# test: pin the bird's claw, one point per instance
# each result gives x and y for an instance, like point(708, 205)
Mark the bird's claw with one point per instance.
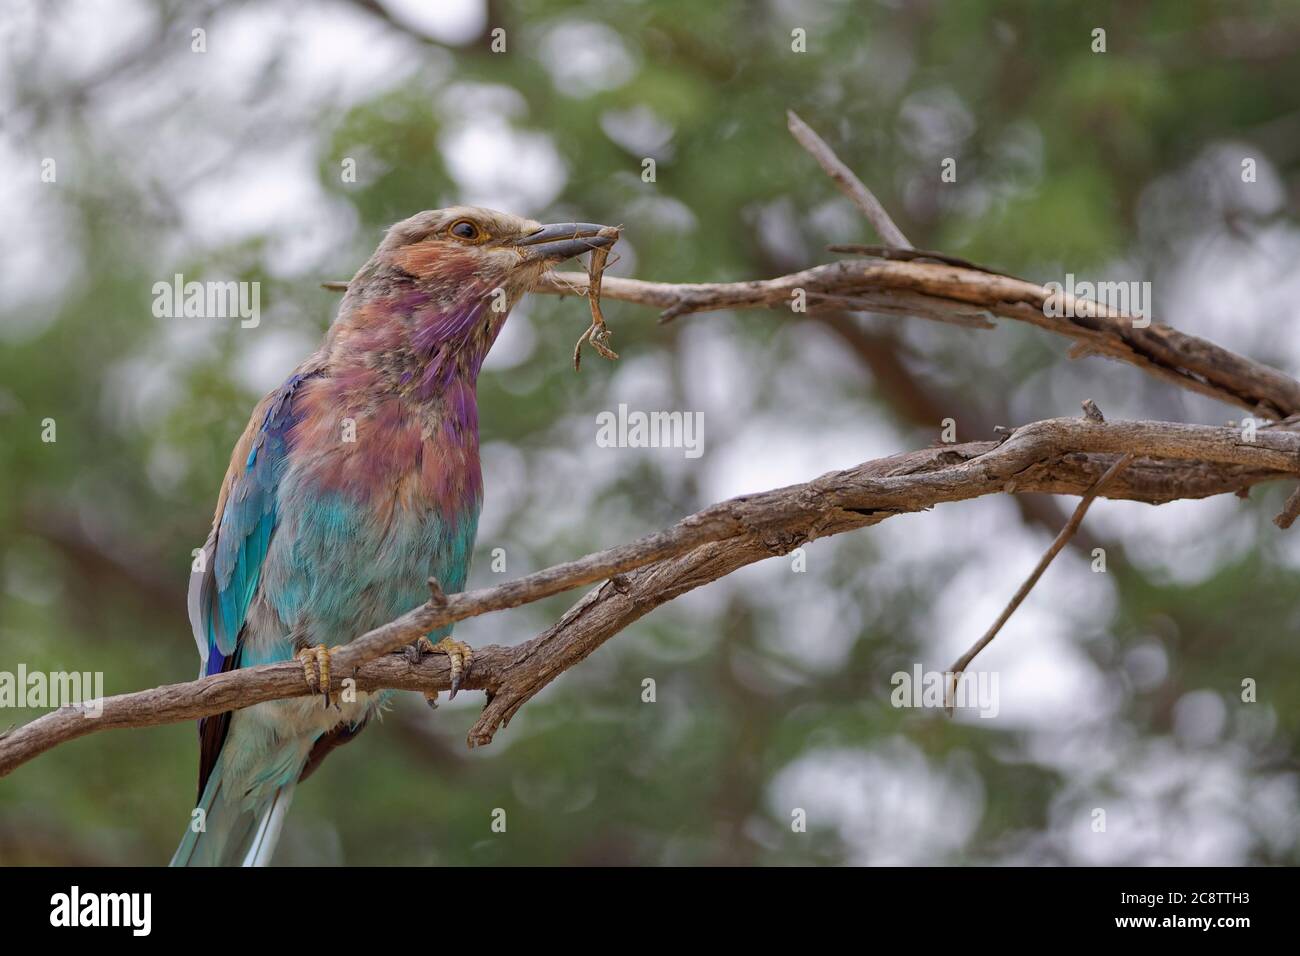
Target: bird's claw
point(461, 655)
point(316, 669)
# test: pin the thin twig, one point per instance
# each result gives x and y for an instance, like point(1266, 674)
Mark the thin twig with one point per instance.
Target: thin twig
point(1071, 526)
point(849, 183)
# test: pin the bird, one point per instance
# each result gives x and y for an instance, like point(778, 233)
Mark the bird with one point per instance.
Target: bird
point(355, 482)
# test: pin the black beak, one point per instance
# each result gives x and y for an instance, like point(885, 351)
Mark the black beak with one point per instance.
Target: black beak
point(563, 240)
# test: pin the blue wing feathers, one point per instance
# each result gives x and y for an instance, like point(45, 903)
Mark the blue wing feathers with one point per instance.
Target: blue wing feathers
point(243, 534)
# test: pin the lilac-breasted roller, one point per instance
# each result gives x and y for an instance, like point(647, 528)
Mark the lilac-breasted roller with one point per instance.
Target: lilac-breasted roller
point(355, 482)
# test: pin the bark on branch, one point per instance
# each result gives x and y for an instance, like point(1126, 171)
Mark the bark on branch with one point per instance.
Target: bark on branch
point(1058, 456)
point(963, 296)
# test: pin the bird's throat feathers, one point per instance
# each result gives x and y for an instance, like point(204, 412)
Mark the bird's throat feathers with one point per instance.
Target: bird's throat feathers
point(421, 336)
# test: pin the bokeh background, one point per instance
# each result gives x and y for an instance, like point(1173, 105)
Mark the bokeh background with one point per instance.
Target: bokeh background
point(1119, 691)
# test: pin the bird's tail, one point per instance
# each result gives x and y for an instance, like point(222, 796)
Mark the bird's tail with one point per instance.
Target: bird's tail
point(233, 829)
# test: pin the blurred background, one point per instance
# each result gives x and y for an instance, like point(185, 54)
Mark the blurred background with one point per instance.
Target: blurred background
point(1118, 691)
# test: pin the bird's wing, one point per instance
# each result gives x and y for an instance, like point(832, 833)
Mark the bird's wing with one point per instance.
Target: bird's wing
point(221, 592)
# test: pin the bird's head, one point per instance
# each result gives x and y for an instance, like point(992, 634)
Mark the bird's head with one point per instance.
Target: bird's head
point(449, 277)
point(462, 251)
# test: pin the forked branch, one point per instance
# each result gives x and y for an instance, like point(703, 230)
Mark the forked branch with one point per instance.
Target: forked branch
point(1056, 456)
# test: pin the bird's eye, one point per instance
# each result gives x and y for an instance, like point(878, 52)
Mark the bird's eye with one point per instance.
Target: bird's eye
point(464, 229)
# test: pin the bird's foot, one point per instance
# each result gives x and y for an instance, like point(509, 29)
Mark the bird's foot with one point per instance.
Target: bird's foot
point(462, 655)
point(316, 669)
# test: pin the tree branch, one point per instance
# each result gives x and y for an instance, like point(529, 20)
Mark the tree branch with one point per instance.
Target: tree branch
point(957, 294)
point(847, 181)
point(923, 406)
point(961, 292)
point(1058, 456)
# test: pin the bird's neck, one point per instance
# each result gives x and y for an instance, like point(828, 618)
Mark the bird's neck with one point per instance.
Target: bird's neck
point(422, 345)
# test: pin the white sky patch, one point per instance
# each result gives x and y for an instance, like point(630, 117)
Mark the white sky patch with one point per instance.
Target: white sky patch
point(825, 369)
point(498, 166)
point(468, 101)
point(1171, 807)
point(239, 45)
point(715, 379)
point(1182, 542)
point(260, 186)
point(82, 37)
point(344, 55)
point(1209, 186)
point(1018, 158)
point(1200, 718)
point(143, 388)
point(798, 375)
point(167, 466)
point(639, 130)
point(1239, 292)
point(182, 339)
point(836, 220)
point(1147, 665)
point(572, 462)
point(273, 193)
point(585, 58)
point(333, 54)
point(270, 355)
point(39, 254)
point(449, 21)
point(516, 343)
point(659, 213)
point(890, 805)
point(1286, 549)
point(643, 381)
point(777, 224)
point(816, 625)
point(934, 122)
point(507, 468)
point(776, 451)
